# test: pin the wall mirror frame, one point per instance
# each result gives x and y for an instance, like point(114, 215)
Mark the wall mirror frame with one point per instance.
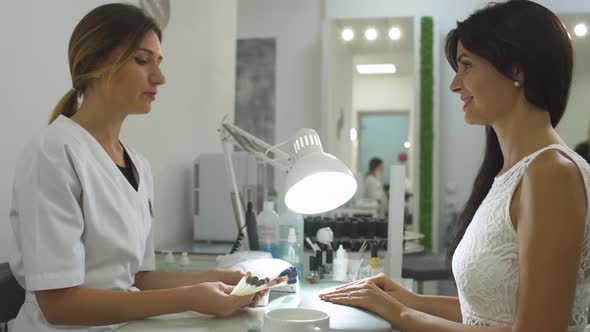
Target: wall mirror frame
point(412, 89)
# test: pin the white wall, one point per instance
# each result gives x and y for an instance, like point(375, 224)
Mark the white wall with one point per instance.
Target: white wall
point(573, 127)
point(297, 27)
point(200, 69)
point(460, 146)
point(383, 92)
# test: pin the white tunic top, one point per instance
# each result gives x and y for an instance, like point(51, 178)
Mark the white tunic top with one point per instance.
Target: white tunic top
point(77, 221)
point(373, 190)
point(486, 266)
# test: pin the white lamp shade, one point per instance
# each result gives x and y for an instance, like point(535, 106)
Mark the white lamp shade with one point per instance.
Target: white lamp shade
point(318, 182)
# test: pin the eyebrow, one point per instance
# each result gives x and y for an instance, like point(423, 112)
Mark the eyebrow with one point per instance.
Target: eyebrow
point(150, 52)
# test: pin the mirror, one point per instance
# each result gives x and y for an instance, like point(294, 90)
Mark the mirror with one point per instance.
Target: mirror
point(370, 95)
point(575, 125)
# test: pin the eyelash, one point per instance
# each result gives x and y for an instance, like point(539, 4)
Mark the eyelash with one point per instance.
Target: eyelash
point(465, 64)
point(140, 61)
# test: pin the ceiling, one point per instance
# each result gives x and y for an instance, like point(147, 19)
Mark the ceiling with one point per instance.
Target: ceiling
point(359, 45)
point(401, 52)
point(382, 50)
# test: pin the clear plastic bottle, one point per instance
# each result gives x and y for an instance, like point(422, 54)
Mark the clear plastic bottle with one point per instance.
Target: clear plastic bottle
point(268, 230)
point(288, 220)
point(169, 261)
point(340, 266)
point(292, 255)
point(185, 262)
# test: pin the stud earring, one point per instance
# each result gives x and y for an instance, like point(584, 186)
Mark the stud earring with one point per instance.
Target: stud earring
point(516, 84)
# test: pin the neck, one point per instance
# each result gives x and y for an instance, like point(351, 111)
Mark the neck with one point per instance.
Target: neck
point(523, 131)
point(101, 120)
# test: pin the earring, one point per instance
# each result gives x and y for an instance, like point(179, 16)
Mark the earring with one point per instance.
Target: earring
point(516, 84)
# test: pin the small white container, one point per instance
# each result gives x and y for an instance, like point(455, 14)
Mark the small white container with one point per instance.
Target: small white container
point(341, 265)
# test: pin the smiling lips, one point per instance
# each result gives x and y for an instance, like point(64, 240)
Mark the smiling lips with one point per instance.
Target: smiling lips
point(151, 95)
point(466, 100)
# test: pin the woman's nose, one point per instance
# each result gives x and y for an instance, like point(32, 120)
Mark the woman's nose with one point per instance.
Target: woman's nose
point(456, 84)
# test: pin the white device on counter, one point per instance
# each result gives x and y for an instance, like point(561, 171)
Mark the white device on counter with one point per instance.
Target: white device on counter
point(243, 260)
point(213, 217)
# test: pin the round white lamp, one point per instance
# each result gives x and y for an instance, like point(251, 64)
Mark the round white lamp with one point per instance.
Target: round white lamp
point(316, 181)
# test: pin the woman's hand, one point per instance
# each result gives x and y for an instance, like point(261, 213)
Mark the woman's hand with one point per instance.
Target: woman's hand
point(390, 287)
point(367, 295)
point(228, 277)
point(213, 298)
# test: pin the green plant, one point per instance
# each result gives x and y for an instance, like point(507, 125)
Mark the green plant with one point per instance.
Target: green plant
point(426, 128)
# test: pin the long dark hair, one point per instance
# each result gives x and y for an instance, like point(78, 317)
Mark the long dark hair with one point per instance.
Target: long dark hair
point(93, 41)
point(515, 33)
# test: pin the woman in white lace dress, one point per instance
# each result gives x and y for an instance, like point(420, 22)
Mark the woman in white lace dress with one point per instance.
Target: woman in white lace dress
point(521, 257)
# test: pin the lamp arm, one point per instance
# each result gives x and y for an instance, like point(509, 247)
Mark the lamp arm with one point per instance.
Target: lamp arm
point(235, 192)
point(230, 135)
point(244, 140)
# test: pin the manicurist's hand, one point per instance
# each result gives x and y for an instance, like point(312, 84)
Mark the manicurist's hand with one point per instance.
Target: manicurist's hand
point(213, 298)
point(228, 277)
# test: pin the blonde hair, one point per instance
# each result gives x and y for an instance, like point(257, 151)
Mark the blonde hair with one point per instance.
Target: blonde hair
point(91, 47)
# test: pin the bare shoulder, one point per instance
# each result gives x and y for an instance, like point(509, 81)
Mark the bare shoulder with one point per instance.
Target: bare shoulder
point(553, 167)
point(554, 182)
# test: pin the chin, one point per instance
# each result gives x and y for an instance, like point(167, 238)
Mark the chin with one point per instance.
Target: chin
point(468, 120)
point(141, 111)
point(473, 122)
point(144, 109)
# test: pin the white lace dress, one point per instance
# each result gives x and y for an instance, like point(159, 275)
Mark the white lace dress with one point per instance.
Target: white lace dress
point(485, 264)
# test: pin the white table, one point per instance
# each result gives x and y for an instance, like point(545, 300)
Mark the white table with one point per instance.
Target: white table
point(246, 320)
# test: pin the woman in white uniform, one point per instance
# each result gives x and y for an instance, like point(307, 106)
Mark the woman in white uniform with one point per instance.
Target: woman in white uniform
point(82, 205)
point(373, 188)
point(521, 256)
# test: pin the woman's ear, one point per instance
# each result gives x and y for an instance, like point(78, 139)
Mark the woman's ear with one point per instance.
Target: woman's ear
point(517, 73)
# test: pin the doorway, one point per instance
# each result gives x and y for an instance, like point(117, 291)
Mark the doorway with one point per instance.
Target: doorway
point(383, 134)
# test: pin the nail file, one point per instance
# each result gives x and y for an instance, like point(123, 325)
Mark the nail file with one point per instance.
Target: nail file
point(252, 285)
point(241, 284)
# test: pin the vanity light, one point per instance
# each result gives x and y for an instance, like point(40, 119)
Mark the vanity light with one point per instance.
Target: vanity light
point(371, 34)
point(353, 134)
point(580, 29)
point(384, 68)
point(395, 33)
point(347, 34)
